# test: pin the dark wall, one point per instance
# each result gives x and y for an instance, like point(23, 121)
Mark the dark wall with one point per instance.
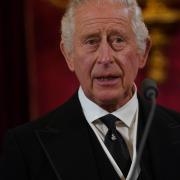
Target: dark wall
point(13, 67)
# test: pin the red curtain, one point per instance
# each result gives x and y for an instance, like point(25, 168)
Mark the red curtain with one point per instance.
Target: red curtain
point(53, 81)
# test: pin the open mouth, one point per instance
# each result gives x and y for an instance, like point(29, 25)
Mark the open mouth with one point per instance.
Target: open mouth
point(109, 78)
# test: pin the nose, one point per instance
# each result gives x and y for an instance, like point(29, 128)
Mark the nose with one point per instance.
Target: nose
point(104, 53)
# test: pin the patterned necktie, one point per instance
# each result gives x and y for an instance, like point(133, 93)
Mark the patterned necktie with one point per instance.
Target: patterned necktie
point(116, 144)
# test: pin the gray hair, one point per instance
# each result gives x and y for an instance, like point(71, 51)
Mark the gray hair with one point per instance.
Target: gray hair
point(138, 25)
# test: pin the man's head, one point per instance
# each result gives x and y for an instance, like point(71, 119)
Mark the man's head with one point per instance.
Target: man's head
point(138, 26)
point(105, 42)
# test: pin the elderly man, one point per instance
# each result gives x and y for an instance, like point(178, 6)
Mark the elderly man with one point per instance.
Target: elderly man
point(96, 134)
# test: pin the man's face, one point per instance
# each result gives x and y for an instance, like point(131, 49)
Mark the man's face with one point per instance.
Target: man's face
point(105, 55)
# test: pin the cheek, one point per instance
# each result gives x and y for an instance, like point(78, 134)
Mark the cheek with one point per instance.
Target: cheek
point(130, 65)
point(83, 66)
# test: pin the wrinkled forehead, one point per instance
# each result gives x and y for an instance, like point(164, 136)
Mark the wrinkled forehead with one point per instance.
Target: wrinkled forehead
point(101, 9)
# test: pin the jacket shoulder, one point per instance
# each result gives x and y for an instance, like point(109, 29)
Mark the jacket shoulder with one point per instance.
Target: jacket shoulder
point(169, 112)
point(64, 111)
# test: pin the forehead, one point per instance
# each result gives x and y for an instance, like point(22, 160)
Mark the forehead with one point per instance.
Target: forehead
point(102, 12)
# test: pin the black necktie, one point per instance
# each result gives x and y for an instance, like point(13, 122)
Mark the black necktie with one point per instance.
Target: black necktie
point(116, 144)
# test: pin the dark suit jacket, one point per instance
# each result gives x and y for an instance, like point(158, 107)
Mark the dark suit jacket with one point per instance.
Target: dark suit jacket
point(61, 146)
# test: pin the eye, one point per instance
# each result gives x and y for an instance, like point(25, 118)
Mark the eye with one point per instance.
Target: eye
point(92, 41)
point(116, 41)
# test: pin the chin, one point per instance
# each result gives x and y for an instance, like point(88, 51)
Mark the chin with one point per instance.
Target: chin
point(106, 99)
point(111, 98)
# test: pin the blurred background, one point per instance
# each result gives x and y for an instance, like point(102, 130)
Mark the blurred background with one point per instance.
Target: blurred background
point(34, 77)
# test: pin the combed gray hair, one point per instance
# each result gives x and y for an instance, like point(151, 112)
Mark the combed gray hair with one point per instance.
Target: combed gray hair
point(138, 25)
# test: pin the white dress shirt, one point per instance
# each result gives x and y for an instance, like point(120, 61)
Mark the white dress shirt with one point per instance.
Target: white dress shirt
point(127, 126)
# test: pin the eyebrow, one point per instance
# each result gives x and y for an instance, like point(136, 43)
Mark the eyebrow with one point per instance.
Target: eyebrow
point(89, 35)
point(116, 31)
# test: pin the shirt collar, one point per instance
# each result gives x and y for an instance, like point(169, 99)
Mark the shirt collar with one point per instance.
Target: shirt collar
point(93, 112)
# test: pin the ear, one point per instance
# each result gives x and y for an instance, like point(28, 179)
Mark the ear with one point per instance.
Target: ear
point(144, 56)
point(68, 56)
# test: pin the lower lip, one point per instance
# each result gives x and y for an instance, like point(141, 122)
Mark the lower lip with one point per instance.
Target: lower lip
point(107, 82)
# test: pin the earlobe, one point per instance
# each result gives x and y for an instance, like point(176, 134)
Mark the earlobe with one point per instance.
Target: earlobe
point(68, 56)
point(144, 56)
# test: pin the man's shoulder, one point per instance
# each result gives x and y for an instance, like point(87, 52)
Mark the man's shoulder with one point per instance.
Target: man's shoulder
point(27, 130)
point(168, 112)
point(160, 110)
point(163, 117)
point(169, 120)
point(43, 122)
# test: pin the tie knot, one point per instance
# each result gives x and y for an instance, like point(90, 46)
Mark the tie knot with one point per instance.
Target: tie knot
point(109, 120)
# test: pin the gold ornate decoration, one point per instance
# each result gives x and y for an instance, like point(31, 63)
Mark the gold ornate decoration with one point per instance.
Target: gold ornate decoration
point(158, 12)
point(159, 18)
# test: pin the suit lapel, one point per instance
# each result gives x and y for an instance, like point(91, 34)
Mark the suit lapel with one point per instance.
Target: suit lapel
point(66, 144)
